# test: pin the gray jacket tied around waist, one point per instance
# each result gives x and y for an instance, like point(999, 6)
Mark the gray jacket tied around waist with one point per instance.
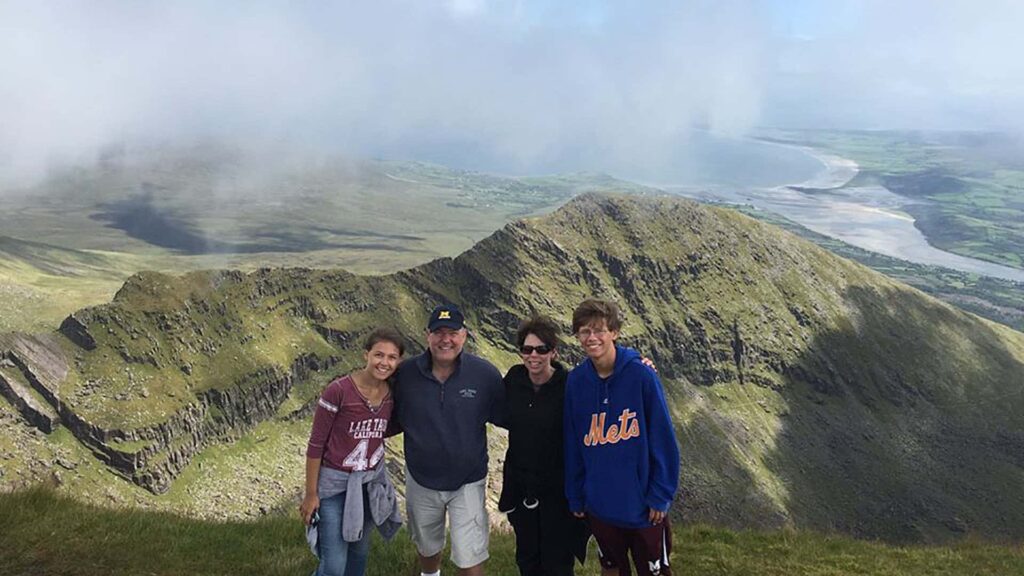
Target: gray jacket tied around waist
point(381, 496)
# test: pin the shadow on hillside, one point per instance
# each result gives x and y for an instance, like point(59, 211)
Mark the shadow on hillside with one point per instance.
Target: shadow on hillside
point(141, 217)
point(716, 485)
point(898, 422)
point(904, 426)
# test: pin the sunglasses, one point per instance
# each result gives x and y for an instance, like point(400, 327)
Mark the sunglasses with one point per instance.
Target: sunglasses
point(526, 350)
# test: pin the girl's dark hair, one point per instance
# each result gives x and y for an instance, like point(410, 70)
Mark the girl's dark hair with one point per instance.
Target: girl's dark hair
point(540, 326)
point(385, 334)
point(593, 309)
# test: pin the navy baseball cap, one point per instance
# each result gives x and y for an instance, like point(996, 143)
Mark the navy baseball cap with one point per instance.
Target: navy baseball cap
point(446, 316)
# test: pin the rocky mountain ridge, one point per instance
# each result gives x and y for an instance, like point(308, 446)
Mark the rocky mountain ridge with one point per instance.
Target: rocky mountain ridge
point(807, 390)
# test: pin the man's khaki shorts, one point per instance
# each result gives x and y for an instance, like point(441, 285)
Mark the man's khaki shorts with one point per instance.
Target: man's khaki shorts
point(425, 509)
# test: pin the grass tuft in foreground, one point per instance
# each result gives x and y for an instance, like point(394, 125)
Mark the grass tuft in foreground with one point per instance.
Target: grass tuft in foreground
point(43, 533)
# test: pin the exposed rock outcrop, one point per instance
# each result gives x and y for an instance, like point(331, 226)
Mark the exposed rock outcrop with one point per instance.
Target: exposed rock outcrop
point(16, 389)
point(806, 390)
point(150, 456)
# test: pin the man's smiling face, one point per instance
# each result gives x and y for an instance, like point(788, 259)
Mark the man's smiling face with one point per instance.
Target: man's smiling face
point(446, 344)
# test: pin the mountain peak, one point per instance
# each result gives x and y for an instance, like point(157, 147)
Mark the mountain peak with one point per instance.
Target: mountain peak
point(806, 390)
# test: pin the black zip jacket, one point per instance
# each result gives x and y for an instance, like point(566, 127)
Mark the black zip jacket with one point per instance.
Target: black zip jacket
point(534, 463)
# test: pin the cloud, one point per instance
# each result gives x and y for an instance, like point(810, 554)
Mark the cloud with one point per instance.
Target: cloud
point(911, 64)
point(367, 76)
point(531, 84)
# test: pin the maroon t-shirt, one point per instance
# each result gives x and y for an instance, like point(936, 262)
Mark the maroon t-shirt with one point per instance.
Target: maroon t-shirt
point(347, 433)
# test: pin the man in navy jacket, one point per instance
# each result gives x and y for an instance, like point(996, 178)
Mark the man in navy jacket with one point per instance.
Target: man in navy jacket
point(444, 399)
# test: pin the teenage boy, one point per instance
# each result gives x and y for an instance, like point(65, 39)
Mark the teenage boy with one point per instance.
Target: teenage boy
point(621, 456)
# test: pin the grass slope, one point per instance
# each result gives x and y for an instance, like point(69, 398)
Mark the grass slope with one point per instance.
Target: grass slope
point(48, 534)
point(72, 239)
point(808, 391)
point(40, 284)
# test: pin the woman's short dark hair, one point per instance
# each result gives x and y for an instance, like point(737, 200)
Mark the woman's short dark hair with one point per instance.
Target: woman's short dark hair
point(593, 309)
point(385, 334)
point(540, 326)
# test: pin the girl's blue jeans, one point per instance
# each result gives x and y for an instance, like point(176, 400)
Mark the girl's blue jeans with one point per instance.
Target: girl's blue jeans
point(337, 557)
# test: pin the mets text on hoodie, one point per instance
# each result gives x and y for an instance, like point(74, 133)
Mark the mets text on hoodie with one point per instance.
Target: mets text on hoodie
point(621, 456)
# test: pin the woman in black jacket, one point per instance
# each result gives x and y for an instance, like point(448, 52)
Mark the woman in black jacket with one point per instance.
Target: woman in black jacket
point(548, 537)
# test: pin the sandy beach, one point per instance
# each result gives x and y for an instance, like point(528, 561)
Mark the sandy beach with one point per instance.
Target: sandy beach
point(837, 172)
point(869, 217)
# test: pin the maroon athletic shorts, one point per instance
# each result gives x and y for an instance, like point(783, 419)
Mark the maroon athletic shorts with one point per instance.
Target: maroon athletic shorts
point(649, 546)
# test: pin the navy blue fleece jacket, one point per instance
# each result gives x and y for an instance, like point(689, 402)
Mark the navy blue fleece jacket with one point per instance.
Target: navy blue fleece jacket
point(445, 422)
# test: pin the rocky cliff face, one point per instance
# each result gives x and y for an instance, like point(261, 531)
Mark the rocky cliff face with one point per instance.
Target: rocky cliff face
point(150, 456)
point(807, 390)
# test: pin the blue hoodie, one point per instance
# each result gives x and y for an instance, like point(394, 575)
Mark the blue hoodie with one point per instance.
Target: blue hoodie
point(621, 456)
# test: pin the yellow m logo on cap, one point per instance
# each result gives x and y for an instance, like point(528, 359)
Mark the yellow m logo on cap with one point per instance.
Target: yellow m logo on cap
point(444, 315)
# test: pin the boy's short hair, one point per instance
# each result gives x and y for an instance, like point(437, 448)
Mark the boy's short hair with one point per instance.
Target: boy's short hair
point(593, 309)
point(540, 326)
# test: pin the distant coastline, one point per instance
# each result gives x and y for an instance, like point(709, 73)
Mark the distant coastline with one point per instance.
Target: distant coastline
point(839, 171)
point(869, 217)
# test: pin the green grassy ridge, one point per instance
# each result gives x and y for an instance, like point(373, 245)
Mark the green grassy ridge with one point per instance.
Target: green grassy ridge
point(850, 370)
point(58, 253)
point(218, 324)
point(54, 259)
point(971, 183)
point(855, 382)
point(808, 391)
point(40, 283)
point(49, 534)
point(228, 328)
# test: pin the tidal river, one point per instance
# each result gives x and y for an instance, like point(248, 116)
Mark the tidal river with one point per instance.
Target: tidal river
point(868, 217)
point(707, 167)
